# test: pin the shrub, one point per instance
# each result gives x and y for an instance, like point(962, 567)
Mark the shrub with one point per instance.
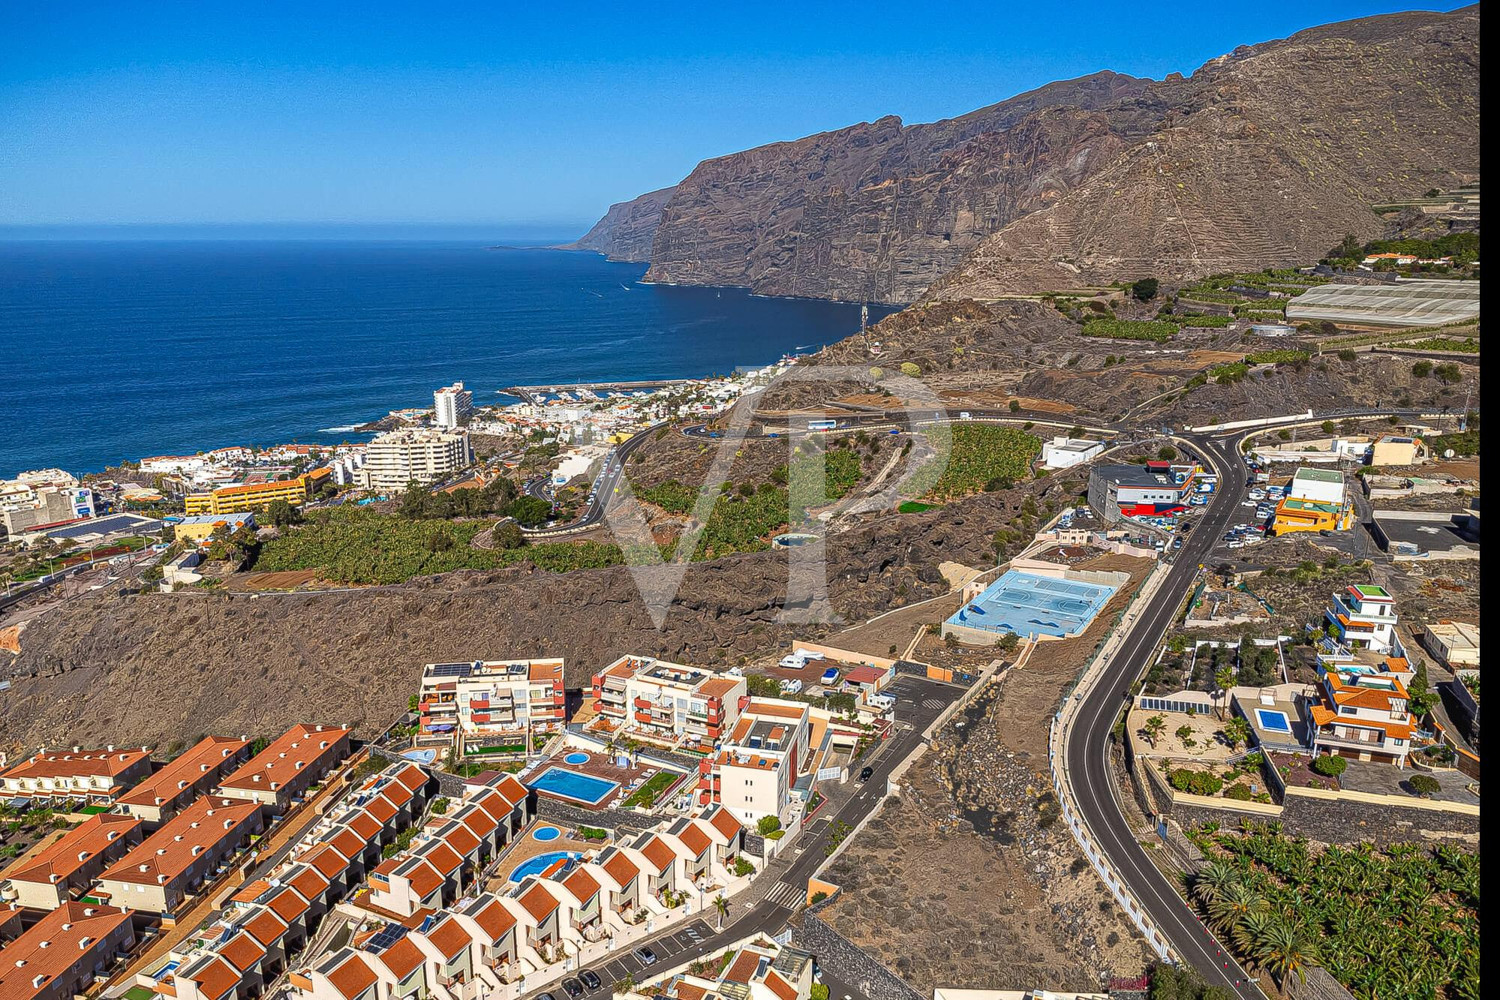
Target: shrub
point(1240, 793)
point(1330, 766)
point(1196, 782)
point(1424, 785)
point(1145, 289)
point(768, 825)
point(1159, 330)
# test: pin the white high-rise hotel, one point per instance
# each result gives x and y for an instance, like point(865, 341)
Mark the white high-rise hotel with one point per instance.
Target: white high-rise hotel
point(452, 405)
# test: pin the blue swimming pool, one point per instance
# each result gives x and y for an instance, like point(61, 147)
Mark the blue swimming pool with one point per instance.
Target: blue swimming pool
point(1273, 720)
point(578, 757)
point(540, 863)
point(421, 756)
point(573, 786)
point(545, 833)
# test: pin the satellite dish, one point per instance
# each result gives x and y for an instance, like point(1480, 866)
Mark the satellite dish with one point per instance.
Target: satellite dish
point(1448, 453)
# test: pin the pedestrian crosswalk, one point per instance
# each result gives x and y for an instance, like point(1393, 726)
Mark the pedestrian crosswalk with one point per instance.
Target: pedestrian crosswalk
point(786, 896)
point(933, 703)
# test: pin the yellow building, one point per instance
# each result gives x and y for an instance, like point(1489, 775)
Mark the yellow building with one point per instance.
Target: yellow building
point(255, 496)
point(198, 527)
point(1298, 514)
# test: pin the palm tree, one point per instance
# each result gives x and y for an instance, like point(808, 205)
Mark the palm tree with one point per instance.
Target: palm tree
point(722, 905)
point(1212, 879)
point(1223, 677)
point(1234, 904)
point(1283, 948)
point(1154, 727)
point(1237, 732)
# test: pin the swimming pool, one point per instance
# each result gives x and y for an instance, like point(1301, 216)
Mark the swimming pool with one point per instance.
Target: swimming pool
point(1027, 605)
point(541, 862)
point(421, 756)
point(1273, 720)
point(577, 757)
point(545, 833)
point(573, 786)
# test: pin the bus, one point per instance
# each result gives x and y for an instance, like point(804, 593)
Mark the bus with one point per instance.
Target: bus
point(822, 425)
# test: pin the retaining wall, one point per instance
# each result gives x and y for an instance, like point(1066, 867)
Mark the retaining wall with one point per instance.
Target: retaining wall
point(849, 963)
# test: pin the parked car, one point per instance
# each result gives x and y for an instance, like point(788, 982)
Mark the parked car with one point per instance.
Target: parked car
point(646, 955)
point(866, 772)
point(573, 988)
point(590, 979)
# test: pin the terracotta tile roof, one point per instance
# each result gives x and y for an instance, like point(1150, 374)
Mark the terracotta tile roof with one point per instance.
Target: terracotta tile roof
point(775, 711)
point(266, 927)
point(723, 820)
point(348, 843)
point(718, 687)
point(693, 837)
point(442, 857)
point(178, 777)
point(539, 903)
point(288, 904)
point(424, 879)
point(742, 969)
point(216, 979)
point(367, 826)
point(352, 976)
point(479, 822)
point(659, 854)
point(411, 777)
point(76, 848)
point(83, 763)
point(621, 869)
point(242, 951)
point(449, 937)
point(381, 809)
point(687, 991)
point(495, 919)
point(783, 989)
point(864, 675)
point(396, 794)
point(402, 958)
point(327, 860)
point(309, 882)
point(95, 923)
point(461, 840)
point(279, 763)
point(511, 789)
point(251, 891)
point(582, 885)
point(169, 851)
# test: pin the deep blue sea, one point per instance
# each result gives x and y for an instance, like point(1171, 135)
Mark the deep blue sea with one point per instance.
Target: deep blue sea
point(116, 350)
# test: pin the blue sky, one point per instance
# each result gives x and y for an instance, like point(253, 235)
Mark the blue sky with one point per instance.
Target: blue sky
point(529, 116)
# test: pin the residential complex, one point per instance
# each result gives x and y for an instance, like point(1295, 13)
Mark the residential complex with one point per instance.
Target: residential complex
point(666, 702)
point(451, 406)
point(59, 957)
point(397, 459)
point(758, 971)
point(190, 774)
point(282, 772)
point(252, 496)
point(47, 879)
point(98, 776)
point(494, 706)
point(753, 773)
point(161, 873)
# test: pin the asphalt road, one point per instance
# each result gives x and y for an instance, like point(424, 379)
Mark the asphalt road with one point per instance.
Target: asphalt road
point(1086, 753)
point(918, 702)
point(609, 477)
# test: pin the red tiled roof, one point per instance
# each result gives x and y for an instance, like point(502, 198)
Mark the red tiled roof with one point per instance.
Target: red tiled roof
point(582, 885)
point(203, 758)
point(266, 927)
point(449, 937)
point(443, 858)
point(742, 969)
point(659, 854)
point(693, 837)
point(216, 979)
point(402, 958)
point(91, 763)
point(352, 977)
point(424, 879)
point(171, 849)
point(242, 951)
point(327, 860)
point(780, 987)
point(90, 838)
point(278, 763)
point(723, 820)
point(94, 923)
point(539, 903)
point(495, 920)
point(621, 868)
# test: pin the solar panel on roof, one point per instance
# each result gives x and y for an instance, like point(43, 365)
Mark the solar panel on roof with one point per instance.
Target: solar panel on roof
point(104, 526)
point(385, 937)
point(452, 669)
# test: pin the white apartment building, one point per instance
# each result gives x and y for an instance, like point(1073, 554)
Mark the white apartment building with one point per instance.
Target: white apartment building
point(753, 775)
point(492, 706)
point(1364, 616)
point(452, 405)
point(423, 455)
point(667, 702)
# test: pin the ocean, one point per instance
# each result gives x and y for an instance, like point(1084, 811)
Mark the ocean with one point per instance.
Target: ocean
point(119, 350)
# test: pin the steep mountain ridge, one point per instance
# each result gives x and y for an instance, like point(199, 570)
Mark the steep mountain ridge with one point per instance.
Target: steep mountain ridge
point(627, 229)
point(1252, 161)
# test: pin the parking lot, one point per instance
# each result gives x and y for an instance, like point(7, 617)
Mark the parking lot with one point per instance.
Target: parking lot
point(629, 964)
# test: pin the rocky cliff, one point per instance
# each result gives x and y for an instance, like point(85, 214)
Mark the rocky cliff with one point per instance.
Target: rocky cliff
point(1255, 160)
point(627, 229)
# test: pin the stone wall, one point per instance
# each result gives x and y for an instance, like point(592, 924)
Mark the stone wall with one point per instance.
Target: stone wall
point(845, 961)
point(1348, 822)
point(608, 819)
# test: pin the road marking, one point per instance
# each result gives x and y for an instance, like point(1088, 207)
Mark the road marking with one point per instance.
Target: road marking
point(785, 896)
